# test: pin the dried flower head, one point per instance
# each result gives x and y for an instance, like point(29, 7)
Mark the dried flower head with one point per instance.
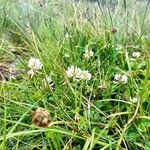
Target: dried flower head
point(88, 53)
point(77, 118)
point(40, 118)
point(8, 71)
point(13, 71)
point(136, 54)
point(120, 78)
point(114, 30)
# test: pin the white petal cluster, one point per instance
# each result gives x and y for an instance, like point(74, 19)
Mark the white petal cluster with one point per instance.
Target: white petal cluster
point(34, 64)
point(73, 72)
point(120, 78)
point(136, 54)
point(77, 74)
point(134, 100)
point(85, 75)
point(88, 53)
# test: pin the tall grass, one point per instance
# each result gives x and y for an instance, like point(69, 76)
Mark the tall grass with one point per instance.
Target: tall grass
point(58, 33)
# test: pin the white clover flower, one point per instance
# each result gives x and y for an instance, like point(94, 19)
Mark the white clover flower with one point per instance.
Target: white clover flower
point(134, 100)
point(136, 54)
point(85, 75)
point(120, 78)
point(73, 71)
point(35, 64)
point(88, 53)
point(77, 74)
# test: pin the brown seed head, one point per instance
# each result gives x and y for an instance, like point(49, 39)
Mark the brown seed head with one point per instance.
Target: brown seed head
point(40, 118)
point(114, 30)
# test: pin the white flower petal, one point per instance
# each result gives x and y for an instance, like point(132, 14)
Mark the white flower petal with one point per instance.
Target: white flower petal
point(88, 53)
point(136, 54)
point(77, 74)
point(34, 64)
point(134, 100)
point(119, 78)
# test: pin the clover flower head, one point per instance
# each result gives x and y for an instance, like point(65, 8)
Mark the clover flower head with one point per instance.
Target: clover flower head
point(85, 75)
point(120, 78)
point(78, 74)
point(40, 118)
point(88, 53)
point(35, 64)
point(73, 71)
point(136, 54)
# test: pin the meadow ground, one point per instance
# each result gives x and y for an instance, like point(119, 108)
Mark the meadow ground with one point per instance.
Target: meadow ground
point(74, 75)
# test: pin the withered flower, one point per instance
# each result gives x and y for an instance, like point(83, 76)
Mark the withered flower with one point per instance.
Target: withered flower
point(40, 118)
point(77, 118)
point(114, 30)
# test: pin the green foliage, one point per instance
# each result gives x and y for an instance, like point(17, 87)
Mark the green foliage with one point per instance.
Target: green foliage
point(100, 113)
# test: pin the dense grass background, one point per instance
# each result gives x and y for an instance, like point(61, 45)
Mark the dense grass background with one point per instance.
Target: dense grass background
point(58, 33)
